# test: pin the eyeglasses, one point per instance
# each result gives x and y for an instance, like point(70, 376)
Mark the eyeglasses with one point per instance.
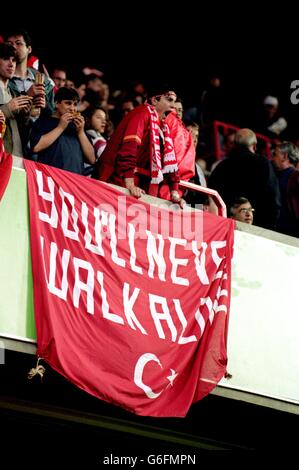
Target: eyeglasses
point(244, 210)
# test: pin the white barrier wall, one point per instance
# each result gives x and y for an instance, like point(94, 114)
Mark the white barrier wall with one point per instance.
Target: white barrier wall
point(263, 346)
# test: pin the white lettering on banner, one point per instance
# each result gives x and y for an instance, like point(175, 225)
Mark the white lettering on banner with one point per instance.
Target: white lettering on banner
point(182, 318)
point(128, 303)
point(201, 322)
point(73, 234)
point(213, 307)
point(47, 196)
point(214, 247)
point(61, 270)
point(200, 263)
point(105, 306)
point(136, 269)
point(138, 219)
point(175, 262)
point(62, 292)
point(97, 249)
point(160, 251)
point(161, 316)
point(208, 302)
point(113, 242)
point(155, 255)
point(87, 286)
point(138, 375)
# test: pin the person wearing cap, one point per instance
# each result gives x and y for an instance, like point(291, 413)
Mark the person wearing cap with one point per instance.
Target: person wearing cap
point(270, 123)
point(140, 154)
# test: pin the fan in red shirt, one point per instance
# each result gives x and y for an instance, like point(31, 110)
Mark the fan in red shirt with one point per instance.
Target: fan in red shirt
point(140, 154)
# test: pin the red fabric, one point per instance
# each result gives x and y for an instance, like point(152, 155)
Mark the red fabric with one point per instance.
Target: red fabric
point(128, 152)
point(5, 167)
point(183, 146)
point(33, 62)
point(150, 339)
point(184, 151)
point(127, 148)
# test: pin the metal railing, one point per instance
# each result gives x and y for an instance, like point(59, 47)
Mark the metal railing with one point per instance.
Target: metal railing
point(210, 192)
point(226, 128)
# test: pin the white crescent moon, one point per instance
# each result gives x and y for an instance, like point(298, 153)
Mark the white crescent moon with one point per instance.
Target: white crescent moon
point(141, 363)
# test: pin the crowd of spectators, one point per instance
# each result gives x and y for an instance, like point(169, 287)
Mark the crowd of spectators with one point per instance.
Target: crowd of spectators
point(66, 119)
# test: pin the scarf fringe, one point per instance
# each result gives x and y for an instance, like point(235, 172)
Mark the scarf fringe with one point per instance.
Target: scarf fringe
point(157, 180)
point(170, 169)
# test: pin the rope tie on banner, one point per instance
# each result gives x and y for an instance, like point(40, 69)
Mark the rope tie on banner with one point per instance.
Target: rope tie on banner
point(38, 370)
point(227, 375)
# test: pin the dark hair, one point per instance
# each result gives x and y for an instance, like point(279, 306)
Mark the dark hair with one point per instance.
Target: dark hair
point(237, 202)
point(19, 32)
point(7, 51)
point(159, 90)
point(89, 112)
point(92, 97)
point(65, 93)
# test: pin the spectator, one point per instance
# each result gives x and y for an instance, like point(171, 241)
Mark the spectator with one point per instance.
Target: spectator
point(59, 78)
point(285, 157)
point(212, 101)
point(179, 108)
point(24, 77)
point(270, 122)
point(246, 174)
point(60, 140)
point(140, 153)
point(11, 106)
point(242, 210)
point(24, 82)
point(95, 124)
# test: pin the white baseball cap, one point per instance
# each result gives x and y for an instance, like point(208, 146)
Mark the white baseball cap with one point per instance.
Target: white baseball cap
point(271, 101)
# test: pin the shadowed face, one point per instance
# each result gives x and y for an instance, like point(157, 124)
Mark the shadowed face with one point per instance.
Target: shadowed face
point(7, 68)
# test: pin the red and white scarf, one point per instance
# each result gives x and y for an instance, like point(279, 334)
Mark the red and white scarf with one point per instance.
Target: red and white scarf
point(160, 163)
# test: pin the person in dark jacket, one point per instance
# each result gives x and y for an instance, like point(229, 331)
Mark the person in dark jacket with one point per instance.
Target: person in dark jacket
point(246, 174)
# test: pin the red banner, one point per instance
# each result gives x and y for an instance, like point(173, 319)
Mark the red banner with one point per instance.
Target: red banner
point(131, 301)
point(5, 168)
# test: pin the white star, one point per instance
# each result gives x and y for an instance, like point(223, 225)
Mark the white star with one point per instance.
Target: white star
point(171, 377)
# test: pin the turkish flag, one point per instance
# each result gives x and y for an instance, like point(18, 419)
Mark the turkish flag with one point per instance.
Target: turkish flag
point(131, 301)
point(5, 168)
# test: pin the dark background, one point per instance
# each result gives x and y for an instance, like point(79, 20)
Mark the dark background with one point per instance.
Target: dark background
point(254, 52)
